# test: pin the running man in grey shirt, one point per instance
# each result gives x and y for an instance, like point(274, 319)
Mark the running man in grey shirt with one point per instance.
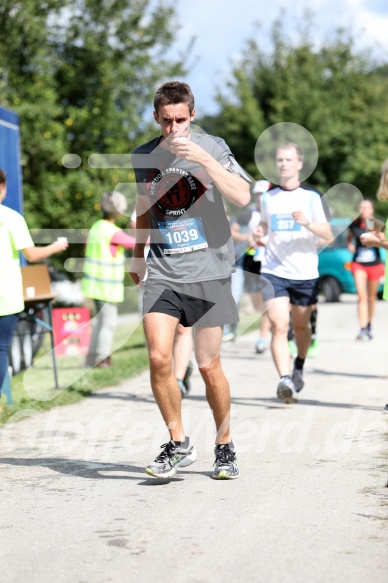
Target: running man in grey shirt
point(181, 178)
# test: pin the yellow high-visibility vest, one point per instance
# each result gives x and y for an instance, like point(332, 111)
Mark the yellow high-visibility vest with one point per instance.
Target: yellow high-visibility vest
point(103, 277)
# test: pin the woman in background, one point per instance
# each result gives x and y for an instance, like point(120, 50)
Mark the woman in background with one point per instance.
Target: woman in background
point(376, 238)
point(367, 267)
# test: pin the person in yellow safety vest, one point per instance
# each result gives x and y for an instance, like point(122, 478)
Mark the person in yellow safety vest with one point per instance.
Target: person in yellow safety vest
point(14, 237)
point(103, 277)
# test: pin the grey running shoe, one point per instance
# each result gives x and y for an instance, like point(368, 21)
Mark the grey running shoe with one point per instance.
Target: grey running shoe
point(225, 466)
point(386, 408)
point(297, 379)
point(172, 458)
point(285, 390)
point(363, 335)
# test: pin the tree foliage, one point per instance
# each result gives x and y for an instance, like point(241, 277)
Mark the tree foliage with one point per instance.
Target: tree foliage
point(337, 92)
point(80, 74)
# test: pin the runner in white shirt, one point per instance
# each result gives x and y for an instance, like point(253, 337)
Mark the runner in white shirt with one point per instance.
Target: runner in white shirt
point(292, 218)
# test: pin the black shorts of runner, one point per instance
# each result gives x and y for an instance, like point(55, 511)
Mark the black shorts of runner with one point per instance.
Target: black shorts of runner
point(207, 303)
point(301, 292)
point(252, 280)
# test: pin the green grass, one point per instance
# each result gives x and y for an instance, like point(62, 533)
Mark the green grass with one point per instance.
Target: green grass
point(35, 388)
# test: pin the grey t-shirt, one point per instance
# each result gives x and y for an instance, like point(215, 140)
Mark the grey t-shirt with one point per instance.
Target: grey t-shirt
point(190, 234)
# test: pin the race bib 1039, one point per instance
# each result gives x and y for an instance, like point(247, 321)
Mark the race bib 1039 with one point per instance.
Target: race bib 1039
point(183, 236)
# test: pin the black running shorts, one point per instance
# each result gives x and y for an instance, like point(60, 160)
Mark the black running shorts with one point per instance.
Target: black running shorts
point(207, 303)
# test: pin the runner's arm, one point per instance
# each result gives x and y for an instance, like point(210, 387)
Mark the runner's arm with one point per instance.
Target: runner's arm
point(143, 224)
point(231, 186)
point(322, 231)
point(374, 240)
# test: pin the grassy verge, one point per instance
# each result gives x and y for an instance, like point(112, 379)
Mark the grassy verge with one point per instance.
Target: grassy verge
point(34, 388)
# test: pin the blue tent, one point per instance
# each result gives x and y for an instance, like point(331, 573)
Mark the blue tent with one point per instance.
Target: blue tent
point(10, 159)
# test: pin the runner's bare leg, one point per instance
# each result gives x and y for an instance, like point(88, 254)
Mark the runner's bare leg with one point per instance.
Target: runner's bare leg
point(207, 346)
point(160, 333)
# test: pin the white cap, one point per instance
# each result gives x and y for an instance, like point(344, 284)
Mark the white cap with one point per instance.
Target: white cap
point(261, 186)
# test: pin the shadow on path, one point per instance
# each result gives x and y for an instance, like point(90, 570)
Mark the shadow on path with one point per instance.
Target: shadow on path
point(347, 374)
point(122, 396)
point(92, 470)
point(249, 401)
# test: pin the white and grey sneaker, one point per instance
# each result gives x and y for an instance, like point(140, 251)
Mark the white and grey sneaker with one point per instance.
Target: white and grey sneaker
point(225, 466)
point(363, 335)
point(297, 379)
point(285, 390)
point(174, 456)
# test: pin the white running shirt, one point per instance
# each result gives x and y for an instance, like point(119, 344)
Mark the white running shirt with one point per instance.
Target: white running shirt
point(291, 251)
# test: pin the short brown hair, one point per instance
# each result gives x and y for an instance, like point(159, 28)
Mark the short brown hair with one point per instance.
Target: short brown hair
point(299, 151)
point(172, 93)
point(3, 177)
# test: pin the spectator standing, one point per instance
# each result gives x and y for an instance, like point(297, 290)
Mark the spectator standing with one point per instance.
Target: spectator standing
point(103, 277)
point(15, 237)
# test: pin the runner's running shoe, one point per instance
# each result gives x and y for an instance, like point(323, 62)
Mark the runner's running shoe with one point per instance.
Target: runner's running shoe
point(285, 390)
point(386, 408)
point(297, 379)
point(369, 330)
point(225, 466)
point(363, 335)
point(261, 346)
point(313, 349)
point(173, 457)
